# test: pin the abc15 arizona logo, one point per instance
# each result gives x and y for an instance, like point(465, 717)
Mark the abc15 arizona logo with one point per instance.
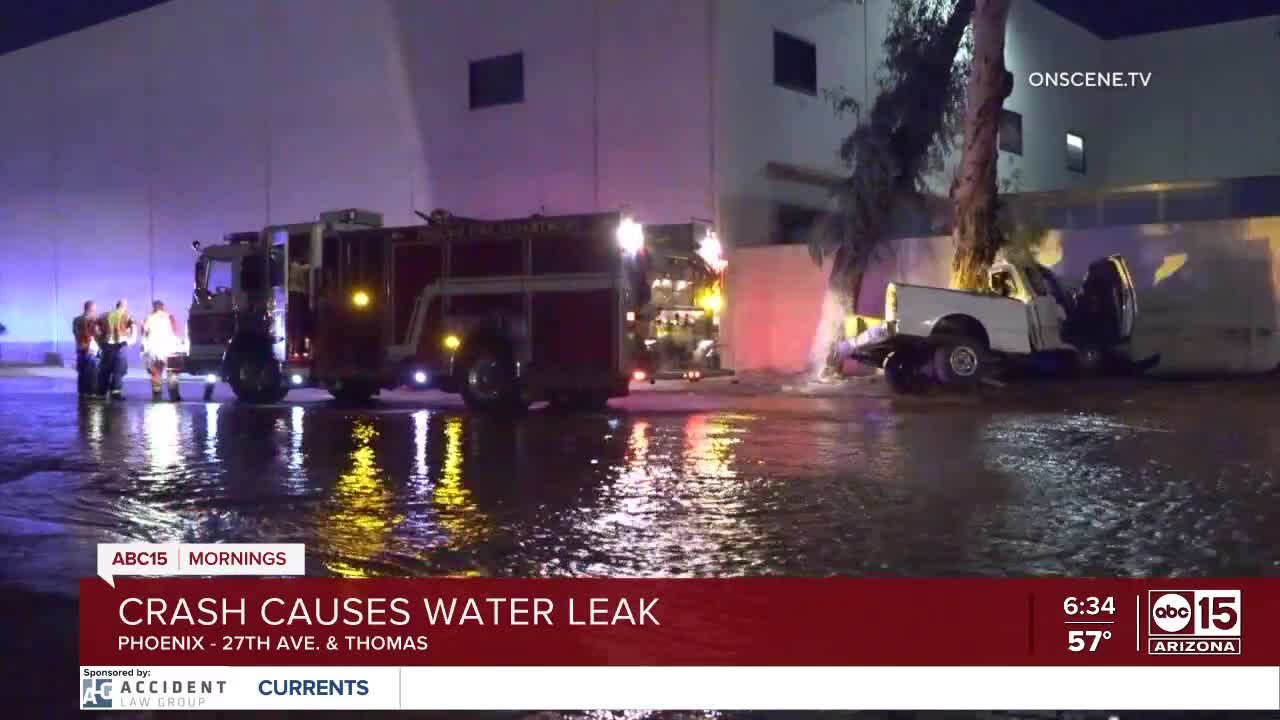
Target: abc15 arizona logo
point(1193, 622)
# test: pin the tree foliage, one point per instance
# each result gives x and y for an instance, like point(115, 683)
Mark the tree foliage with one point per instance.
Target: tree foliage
point(1021, 226)
point(903, 138)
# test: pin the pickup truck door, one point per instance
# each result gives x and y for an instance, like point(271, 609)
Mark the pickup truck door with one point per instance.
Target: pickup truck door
point(1043, 315)
point(1045, 310)
point(1107, 304)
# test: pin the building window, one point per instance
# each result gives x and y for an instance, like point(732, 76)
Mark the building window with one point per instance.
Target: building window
point(794, 224)
point(497, 81)
point(795, 63)
point(1075, 153)
point(1011, 132)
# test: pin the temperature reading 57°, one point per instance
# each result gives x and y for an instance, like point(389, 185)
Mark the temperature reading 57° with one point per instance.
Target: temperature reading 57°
point(1086, 640)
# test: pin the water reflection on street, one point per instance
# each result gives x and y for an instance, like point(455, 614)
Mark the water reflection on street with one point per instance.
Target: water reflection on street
point(815, 487)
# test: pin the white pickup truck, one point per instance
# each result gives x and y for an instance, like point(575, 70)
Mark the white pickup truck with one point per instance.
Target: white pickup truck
point(954, 337)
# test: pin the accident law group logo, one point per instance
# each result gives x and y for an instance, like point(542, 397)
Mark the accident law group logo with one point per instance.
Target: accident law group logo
point(149, 689)
point(1193, 622)
point(95, 694)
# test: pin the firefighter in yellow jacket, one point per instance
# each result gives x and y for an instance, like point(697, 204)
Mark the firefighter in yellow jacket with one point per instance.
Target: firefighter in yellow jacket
point(159, 343)
point(117, 333)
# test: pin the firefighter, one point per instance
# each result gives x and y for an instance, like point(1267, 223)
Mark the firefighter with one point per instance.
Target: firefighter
point(85, 329)
point(159, 343)
point(117, 334)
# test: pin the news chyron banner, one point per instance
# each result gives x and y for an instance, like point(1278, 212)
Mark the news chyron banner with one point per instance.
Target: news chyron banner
point(241, 627)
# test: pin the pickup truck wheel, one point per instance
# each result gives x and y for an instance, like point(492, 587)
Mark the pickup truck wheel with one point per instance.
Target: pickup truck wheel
point(1089, 362)
point(902, 373)
point(959, 362)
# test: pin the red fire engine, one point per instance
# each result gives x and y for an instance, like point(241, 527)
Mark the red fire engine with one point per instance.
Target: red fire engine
point(504, 312)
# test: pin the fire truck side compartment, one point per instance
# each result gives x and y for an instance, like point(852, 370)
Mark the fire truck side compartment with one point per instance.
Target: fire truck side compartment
point(549, 286)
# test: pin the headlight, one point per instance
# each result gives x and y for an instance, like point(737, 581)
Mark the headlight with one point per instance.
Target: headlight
point(452, 342)
point(630, 236)
point(711, 301)
point(360, 299)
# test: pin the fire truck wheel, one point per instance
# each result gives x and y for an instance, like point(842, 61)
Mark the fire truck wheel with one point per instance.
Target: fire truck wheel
point(351, 393)
point(255, 379)
point(489, 382)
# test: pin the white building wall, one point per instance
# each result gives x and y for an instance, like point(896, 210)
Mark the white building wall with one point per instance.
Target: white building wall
point(1038, 40)
point(759, 122)
point(510, 159)
point(200, 117)
point(184, 122)
point(655, 115)
point(597, 129)
point(28, 206)
point(1210, 111)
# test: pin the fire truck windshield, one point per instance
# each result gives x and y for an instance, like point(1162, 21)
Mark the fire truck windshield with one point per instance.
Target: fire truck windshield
point(217, 277)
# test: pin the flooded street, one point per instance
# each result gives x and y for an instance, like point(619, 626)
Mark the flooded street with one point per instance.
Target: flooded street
point(1161, 479)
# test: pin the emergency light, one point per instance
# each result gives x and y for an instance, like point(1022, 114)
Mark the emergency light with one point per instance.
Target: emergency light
point(630, 236)
point(712, 252)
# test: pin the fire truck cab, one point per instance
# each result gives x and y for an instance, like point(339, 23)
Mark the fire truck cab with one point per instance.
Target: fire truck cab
point(680, 324)
point(503, 312)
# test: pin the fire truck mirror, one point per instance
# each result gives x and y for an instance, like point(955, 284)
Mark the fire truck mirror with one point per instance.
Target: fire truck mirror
point(277, 270)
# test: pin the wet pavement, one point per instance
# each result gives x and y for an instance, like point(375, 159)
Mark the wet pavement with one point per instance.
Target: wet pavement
point(1149, 479)
point(1122, 479)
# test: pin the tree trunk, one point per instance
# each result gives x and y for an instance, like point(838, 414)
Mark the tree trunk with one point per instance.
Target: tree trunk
point(973, 191)
point(856, 290)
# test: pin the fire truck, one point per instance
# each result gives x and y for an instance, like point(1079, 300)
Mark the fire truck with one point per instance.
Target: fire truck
point(680, 324)
point(504, 312)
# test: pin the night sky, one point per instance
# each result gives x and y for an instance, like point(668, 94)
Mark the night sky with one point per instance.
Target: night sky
point(27, 22)
point(1120, 18)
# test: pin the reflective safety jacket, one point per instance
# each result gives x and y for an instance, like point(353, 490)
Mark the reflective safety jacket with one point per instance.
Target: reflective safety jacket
point(160, 334)
point(85, 329)
point(118, 328)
